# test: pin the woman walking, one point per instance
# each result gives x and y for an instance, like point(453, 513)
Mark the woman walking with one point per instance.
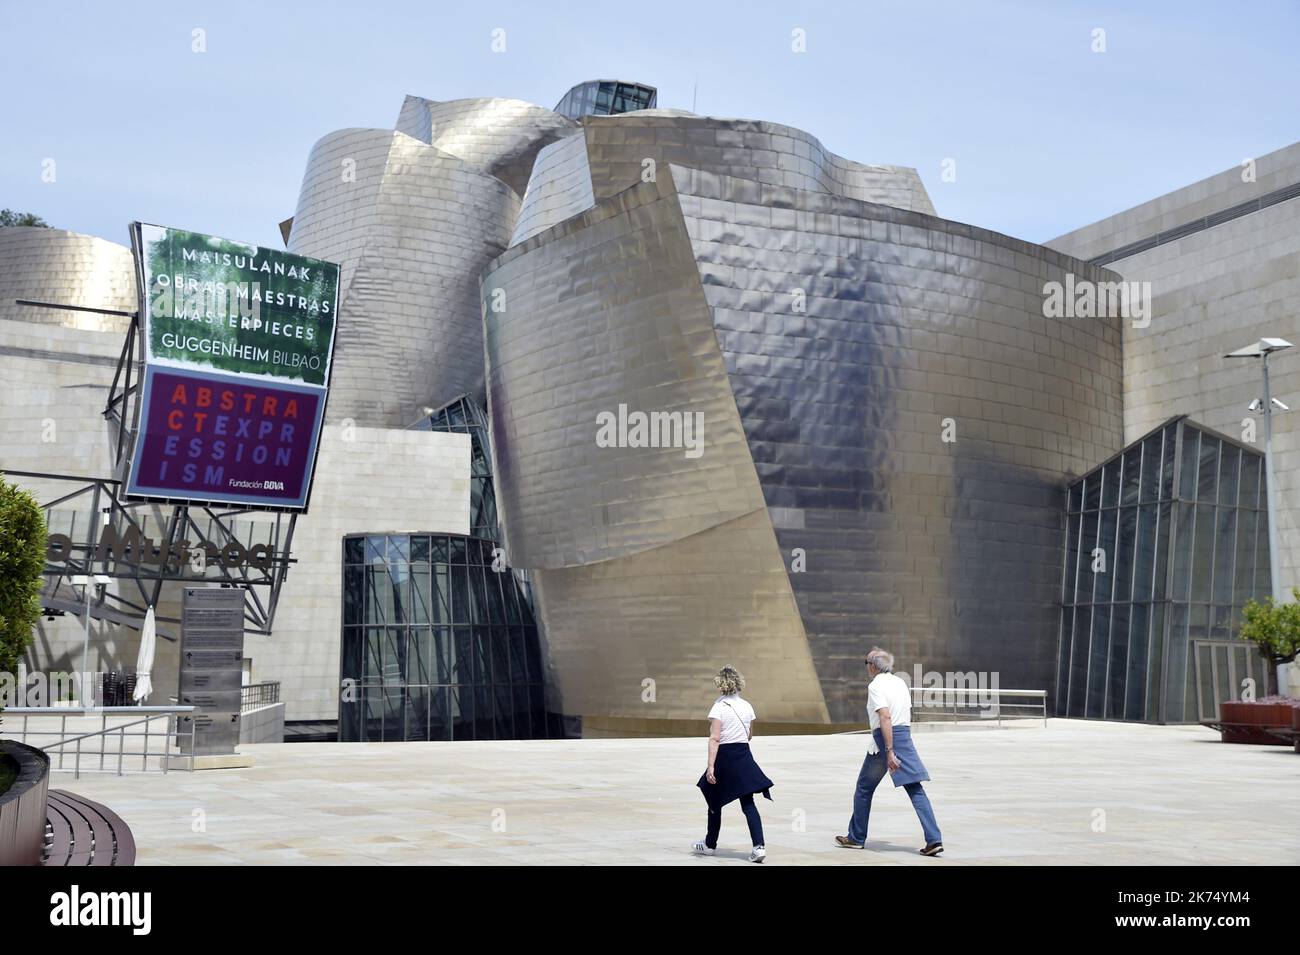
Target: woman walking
point(732, 772)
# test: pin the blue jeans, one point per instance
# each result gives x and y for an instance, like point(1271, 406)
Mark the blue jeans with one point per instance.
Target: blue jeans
point(874, 769)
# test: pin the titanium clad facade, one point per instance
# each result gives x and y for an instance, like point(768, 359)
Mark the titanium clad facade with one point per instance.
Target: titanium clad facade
point(412, 215)
point(499, 137)
point(50, 265)
point(647, 563)
point(948, 552)
point(628, 149)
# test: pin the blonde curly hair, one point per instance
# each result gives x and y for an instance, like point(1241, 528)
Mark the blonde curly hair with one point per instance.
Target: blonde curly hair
point(729, 680)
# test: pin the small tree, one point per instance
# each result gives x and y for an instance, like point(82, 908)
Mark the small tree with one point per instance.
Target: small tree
point(22, 566)
point(9, 217)
point(1273, 628)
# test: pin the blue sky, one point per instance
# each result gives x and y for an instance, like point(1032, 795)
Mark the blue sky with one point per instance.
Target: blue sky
point(1046, 134)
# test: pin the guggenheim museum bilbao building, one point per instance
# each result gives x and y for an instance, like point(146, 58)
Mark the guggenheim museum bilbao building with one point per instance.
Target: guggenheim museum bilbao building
point(624, 393)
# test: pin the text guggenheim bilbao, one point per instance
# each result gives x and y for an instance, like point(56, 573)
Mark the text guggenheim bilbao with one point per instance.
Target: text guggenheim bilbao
point(237, 344)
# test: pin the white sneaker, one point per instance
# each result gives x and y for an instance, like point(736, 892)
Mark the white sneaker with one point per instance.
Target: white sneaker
point(700, 849)
point(758, 855)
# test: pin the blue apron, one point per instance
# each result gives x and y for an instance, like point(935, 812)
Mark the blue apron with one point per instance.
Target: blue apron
point(912, 770)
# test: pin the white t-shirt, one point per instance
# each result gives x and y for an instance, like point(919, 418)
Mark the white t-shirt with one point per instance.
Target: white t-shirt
point(891, 691)
point(736, 715)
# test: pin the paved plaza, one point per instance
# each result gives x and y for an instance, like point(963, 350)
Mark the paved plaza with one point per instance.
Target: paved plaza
point(1073, 792)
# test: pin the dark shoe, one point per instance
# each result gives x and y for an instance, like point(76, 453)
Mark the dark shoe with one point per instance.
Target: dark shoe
point(844, 842)
point(933, 849)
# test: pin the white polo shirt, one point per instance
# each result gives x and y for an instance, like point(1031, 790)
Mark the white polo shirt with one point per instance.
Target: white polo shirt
point(736, 715)
point(891, 691)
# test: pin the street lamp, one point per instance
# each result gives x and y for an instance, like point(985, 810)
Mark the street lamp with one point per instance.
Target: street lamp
point(1261, 350)
point(86, 580)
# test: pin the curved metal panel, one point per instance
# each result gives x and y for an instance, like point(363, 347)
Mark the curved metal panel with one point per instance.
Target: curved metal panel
point(411, 227)
point(498, 136)
point(911, 414)
point(625, 149)
point(673, 615)
point(560, 188)
point(607, 311)
point(50, 265)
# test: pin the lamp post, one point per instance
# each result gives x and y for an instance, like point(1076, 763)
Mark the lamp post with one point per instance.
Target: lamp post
point(1261, 350)
point(86, 580)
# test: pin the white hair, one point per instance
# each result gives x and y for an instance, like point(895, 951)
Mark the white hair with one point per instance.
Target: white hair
point(882, 660)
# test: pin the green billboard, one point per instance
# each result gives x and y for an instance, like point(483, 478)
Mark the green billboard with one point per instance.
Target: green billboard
point(225, 306)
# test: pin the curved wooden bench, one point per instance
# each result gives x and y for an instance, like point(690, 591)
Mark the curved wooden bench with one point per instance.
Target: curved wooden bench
point(80, 831)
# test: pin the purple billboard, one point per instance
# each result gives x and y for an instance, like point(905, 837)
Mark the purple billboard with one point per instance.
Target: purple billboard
point(225, 439)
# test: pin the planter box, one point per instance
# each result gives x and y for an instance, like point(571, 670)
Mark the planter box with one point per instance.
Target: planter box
point(22, 806)
point(1250, 722)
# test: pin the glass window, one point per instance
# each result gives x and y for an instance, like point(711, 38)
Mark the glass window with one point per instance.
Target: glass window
point(1125, 541)
point(1069, 594)
point(1151, 467)
point(1202, 552)
point(1156, 637)
point(1145, 551)
point(421, 678)
point(1164, 523)
point(1098, 647)
point(1135, 687)
point(1185, 517)
point(1176, 662)
point(1131, 474)
point(1088, 543)
point(1244, 566)
point(1187, 467)
point(1104, 579)
point(1168, 451)
point(1225, 552)
point(1079, 661)
point(1092, 491)
point(1110, 484)
point(1229, 463)
point(1208, 469)
point(1117, 665)
point(1250, 469)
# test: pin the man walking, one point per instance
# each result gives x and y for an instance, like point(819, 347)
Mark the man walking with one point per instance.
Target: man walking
point(890, 749)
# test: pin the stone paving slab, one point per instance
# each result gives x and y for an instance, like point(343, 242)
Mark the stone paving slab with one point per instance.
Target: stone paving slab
point(1075, 792)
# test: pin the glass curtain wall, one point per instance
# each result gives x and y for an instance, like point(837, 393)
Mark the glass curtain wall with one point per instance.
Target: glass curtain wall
point(606, 98)
point(464, 416)
point(437, 645)
point(439, 638)
point(1164, 544)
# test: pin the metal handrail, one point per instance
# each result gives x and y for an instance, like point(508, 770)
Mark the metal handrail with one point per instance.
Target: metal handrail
point(148, 714)
point(980, 697)
point(254, 695)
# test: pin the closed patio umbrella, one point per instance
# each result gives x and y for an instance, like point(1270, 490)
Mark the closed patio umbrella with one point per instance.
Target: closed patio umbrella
point(144, 661)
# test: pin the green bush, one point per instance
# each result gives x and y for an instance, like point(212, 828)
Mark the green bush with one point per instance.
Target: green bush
point(22, 565)
point(1274, 628)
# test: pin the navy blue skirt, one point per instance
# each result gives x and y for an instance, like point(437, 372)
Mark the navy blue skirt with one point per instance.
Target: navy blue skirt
point(737, 774)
